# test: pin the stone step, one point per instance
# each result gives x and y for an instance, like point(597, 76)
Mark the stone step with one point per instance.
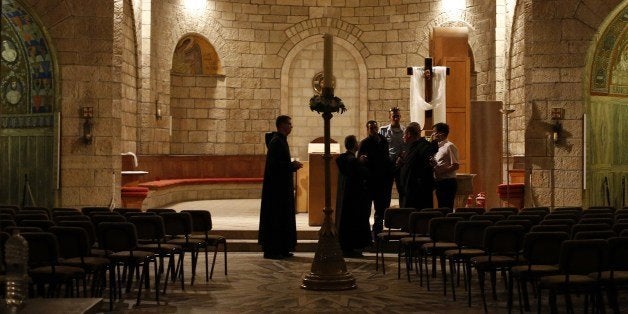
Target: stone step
point(252, 234)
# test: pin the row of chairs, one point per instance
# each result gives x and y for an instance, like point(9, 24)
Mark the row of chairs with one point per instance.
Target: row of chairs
point(157, 234)
point(460, 237)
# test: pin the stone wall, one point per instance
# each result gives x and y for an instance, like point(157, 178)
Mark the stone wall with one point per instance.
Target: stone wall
point(560, 33)
point(129, 79)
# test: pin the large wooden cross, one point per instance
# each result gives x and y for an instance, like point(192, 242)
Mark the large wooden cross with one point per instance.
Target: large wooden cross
point(428, 74)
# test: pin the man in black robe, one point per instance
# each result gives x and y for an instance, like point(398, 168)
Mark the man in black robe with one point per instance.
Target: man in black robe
point(417, 176)
point(373, 152)
point(352, 206)
point(277, 223)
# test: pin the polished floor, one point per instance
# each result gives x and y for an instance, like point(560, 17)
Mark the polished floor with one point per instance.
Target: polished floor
point(254, 284)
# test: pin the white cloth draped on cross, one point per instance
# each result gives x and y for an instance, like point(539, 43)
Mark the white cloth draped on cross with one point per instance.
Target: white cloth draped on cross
point(418, 105)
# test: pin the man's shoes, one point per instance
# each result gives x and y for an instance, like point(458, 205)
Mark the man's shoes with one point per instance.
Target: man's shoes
point(287, 254)
point(269, 255)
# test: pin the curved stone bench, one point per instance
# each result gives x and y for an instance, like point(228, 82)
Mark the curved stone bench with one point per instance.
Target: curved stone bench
point(168, 191)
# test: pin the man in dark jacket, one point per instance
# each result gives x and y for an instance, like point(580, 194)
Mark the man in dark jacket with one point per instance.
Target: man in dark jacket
point(353, 209)
point(417, 176)
point(374, 153)
point(277, 223)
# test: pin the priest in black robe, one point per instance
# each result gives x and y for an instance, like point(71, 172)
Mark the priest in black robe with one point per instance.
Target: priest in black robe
point(277, 224)
point(417, 175)
point(352, 204)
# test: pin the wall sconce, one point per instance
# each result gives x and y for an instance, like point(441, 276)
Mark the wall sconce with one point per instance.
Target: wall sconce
point(87, 113)
point(157, 110)
point(557, 127)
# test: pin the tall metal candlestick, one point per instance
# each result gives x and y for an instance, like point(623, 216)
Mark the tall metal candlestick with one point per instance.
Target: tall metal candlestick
point(329, 270)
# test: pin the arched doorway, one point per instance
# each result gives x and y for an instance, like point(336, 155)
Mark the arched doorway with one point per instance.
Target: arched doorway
point(27, 106)
point(607, 112)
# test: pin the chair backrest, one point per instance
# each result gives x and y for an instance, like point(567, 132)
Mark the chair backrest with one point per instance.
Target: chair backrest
point(177, 224)
point(621, 211)
point(620, 216)
point(562, 208)
point(503, 240)
point(600, 234)
point(161, 210)
point(88, 210)
point(43, 248)
point(85, 225)
point(443, 210)
point(618, 227)
point(442, 228)
point(73, 241)
point(5, 223)
point(463, 215)
point(397, 218)
point(133, 214)
point(28, 216)
point(477, 210)
point(564, 222)
point(488, 216)
point(600, 209)
point(34, 209)
point(534, 219)
point(57, 214)
point(585, 214)
point(534, 216)
point(81, 217)
point(618, 253)
point(64, 209)
point(551, 228)
point(201, 220)
point(15, 208)
point(98, 219)
point(124, 210)
point(43, 224)
point(513, 210)
point(562, 215)
point(526, 224)
point(588, 227)
point(470, 234)
point(538, 208)
point(504, 213)
point(9, 211)
point(419, 222)
point(543, 248)
point(149, 227)
point(10, 229)
point(117, 236)
point(583, 257)
point(4, 216)
point(608, 221)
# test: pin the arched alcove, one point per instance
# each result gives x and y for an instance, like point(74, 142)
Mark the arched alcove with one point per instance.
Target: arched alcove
point(197, 95)
point(606, 164)
point(300, 66)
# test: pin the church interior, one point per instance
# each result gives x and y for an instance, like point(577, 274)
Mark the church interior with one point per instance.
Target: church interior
point(154, 104)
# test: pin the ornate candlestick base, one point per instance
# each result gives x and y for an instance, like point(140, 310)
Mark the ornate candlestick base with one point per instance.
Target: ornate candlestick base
point(329, 271)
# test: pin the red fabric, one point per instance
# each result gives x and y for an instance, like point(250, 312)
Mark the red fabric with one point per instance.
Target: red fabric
point(159, 184)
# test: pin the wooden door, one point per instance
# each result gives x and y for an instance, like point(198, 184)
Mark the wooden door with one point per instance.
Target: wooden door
point(27, 154)
point(607, 155)
point(458, 102)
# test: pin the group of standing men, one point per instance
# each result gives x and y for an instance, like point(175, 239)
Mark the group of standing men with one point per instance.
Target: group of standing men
point(392, 153)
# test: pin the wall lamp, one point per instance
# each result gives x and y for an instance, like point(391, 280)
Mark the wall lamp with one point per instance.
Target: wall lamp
point(87, 113)
point(557, 128)
point(158, 115)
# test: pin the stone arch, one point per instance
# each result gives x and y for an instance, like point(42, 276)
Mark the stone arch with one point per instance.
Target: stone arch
point(445, 20)
point(606, 164)
point(351, 121)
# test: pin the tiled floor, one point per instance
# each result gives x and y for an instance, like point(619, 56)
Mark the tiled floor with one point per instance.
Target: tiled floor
point(257, 285)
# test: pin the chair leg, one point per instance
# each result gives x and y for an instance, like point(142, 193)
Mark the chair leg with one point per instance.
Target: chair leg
point(376, 254)
point(211, 274)
point(468, 282)
point(399, 260)
point(443, 271)
point(452, 270)
point(206, 266)
point(224, 245)
point(481, 278)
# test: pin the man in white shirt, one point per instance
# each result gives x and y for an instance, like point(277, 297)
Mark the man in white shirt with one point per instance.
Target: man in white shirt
point(446, 164)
